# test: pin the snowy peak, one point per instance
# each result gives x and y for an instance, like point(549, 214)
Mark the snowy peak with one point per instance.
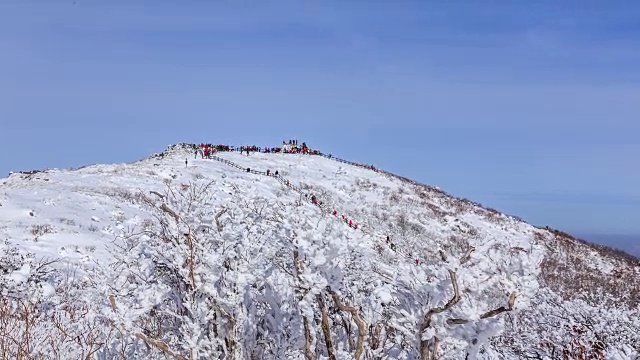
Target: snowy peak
point(192, 253)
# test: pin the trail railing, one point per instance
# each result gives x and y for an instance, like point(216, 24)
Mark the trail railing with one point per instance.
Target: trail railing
point(323, 207)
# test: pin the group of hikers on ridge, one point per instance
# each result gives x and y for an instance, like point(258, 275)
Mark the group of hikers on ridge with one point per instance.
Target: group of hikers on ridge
point(290, 147)
point(354, 225)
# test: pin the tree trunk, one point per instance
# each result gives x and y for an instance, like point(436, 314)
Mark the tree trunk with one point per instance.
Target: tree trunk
point(426, 323)
point(362, 325)
point(307, 331)
point(325, 328)
point(347, 330)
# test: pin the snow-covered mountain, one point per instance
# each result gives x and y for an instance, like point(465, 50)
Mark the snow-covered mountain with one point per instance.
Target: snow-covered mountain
point(190, 258)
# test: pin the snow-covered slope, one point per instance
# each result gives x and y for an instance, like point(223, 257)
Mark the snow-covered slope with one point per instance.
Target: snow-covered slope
point(208, 260)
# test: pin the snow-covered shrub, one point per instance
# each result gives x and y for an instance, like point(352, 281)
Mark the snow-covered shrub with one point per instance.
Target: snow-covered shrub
point(44, 312)
point(41, 229)
point(555, 328)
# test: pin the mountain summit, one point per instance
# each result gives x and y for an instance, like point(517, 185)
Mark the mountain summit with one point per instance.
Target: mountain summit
point(216, 252)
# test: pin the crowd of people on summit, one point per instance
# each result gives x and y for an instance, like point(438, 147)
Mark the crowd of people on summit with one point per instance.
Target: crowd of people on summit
point(288, 147)
point(291, 147)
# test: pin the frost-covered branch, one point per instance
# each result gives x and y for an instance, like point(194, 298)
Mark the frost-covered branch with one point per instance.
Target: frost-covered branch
point(426, 322)
point(157, 194)
point(362, 325)
point(168, 210)
point(510, 304)
point(155, 343)
point(490, 313)
point(160, 345)
point(217, 219)
point(425, 351)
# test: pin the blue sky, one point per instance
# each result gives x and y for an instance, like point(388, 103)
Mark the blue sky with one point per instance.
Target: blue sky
point(528, 107)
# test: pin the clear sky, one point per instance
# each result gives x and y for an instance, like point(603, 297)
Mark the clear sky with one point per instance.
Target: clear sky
point(529, 107)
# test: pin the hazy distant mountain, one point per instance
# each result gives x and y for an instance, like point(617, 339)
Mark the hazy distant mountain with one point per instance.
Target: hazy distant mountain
point(628, 243)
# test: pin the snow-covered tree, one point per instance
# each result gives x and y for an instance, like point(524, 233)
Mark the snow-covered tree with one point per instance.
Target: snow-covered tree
point(183, 278)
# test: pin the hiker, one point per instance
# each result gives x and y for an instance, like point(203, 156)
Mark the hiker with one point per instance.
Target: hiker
point(276, 173)
point(355, 226)
point(186, 162)
point(196, 155)
point(248, 169)
point(268, 172)
point(393, 246)
point(313, 199)
point(417, 261)
point(388, 239)
point(335, 213)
